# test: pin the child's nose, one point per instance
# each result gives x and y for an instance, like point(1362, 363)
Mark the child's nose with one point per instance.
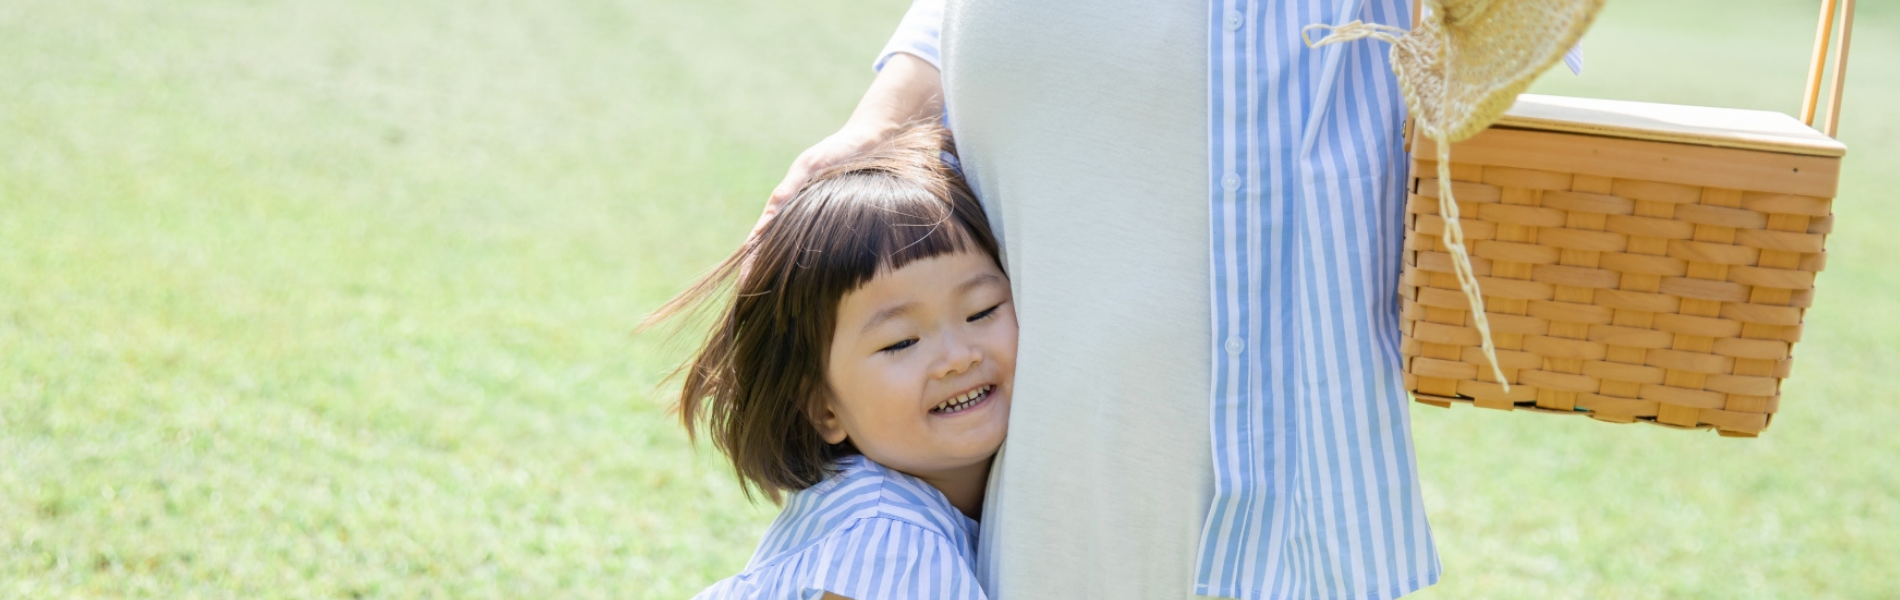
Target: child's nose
point(959, 355)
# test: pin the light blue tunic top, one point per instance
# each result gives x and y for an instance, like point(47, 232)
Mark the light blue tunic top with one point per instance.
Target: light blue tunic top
point(866, 533)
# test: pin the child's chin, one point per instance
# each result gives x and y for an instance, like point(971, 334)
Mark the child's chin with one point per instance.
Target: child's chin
point(977, 449)
point(983, 450)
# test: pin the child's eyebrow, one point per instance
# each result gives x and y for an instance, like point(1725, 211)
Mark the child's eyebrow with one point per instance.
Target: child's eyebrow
point(886, 315)
point(978, 281)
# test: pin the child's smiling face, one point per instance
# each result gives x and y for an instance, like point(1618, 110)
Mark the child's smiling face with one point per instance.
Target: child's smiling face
point(921, 364)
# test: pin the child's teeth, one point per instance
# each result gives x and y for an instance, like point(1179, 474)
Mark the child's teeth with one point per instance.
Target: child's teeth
point(959, 401)
point(956, 403)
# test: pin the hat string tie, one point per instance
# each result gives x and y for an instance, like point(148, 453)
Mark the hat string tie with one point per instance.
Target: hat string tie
point(1453, 235)
point(1355, 30)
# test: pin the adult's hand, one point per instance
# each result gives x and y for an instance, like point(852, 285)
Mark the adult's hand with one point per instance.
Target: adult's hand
point(849, 142)
point(906, 89)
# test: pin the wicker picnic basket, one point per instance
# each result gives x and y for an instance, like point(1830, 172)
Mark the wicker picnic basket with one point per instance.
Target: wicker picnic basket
point(1637, 262)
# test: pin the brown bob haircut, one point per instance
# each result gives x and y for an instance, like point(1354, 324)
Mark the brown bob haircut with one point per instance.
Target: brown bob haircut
point(756, 380)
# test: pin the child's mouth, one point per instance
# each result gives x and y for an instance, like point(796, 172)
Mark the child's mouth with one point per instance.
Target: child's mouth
point(964, 402)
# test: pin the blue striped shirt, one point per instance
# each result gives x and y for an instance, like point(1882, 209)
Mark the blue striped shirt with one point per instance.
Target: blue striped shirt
point(1316, 488)
point(866, 533)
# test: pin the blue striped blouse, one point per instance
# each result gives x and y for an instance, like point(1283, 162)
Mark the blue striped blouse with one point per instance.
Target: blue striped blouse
point(866, 533)
point(1316, 488)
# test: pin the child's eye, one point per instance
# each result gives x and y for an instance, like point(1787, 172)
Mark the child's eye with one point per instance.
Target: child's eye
point(984, 314)
point(899, 346)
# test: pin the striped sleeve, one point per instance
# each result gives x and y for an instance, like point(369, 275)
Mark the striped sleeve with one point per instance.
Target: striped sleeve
point(916, 35)
point(889, 559)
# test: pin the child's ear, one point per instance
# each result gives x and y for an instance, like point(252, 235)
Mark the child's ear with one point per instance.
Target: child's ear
point(826, 420)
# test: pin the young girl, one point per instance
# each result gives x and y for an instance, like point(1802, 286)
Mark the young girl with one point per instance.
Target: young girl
point(863, 364)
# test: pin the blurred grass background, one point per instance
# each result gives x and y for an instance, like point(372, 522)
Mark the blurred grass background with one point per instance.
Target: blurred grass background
point(333, 300)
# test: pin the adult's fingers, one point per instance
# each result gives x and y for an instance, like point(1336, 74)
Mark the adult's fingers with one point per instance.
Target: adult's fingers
point(771, 210)
point(795, 178)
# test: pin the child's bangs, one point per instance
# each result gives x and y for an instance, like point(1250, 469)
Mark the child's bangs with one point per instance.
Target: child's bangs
point(913, 229)
point(884, 231)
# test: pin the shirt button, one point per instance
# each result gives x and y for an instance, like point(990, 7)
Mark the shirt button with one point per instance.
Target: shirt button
point(1233, 20)
point(1231, 182)
point(1234, 346)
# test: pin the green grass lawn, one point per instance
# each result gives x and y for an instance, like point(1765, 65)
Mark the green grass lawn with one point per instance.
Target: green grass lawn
point(334, 300)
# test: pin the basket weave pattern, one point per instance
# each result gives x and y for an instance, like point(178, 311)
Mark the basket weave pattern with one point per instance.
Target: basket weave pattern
point(1622, 299)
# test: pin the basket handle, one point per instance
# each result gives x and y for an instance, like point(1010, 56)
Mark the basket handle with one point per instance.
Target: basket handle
point(1810, 101)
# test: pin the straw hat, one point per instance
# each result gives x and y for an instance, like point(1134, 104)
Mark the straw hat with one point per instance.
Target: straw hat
point(1467, 60)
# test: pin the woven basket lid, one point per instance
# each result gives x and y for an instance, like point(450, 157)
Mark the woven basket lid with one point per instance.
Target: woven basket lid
point(1763, 130)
